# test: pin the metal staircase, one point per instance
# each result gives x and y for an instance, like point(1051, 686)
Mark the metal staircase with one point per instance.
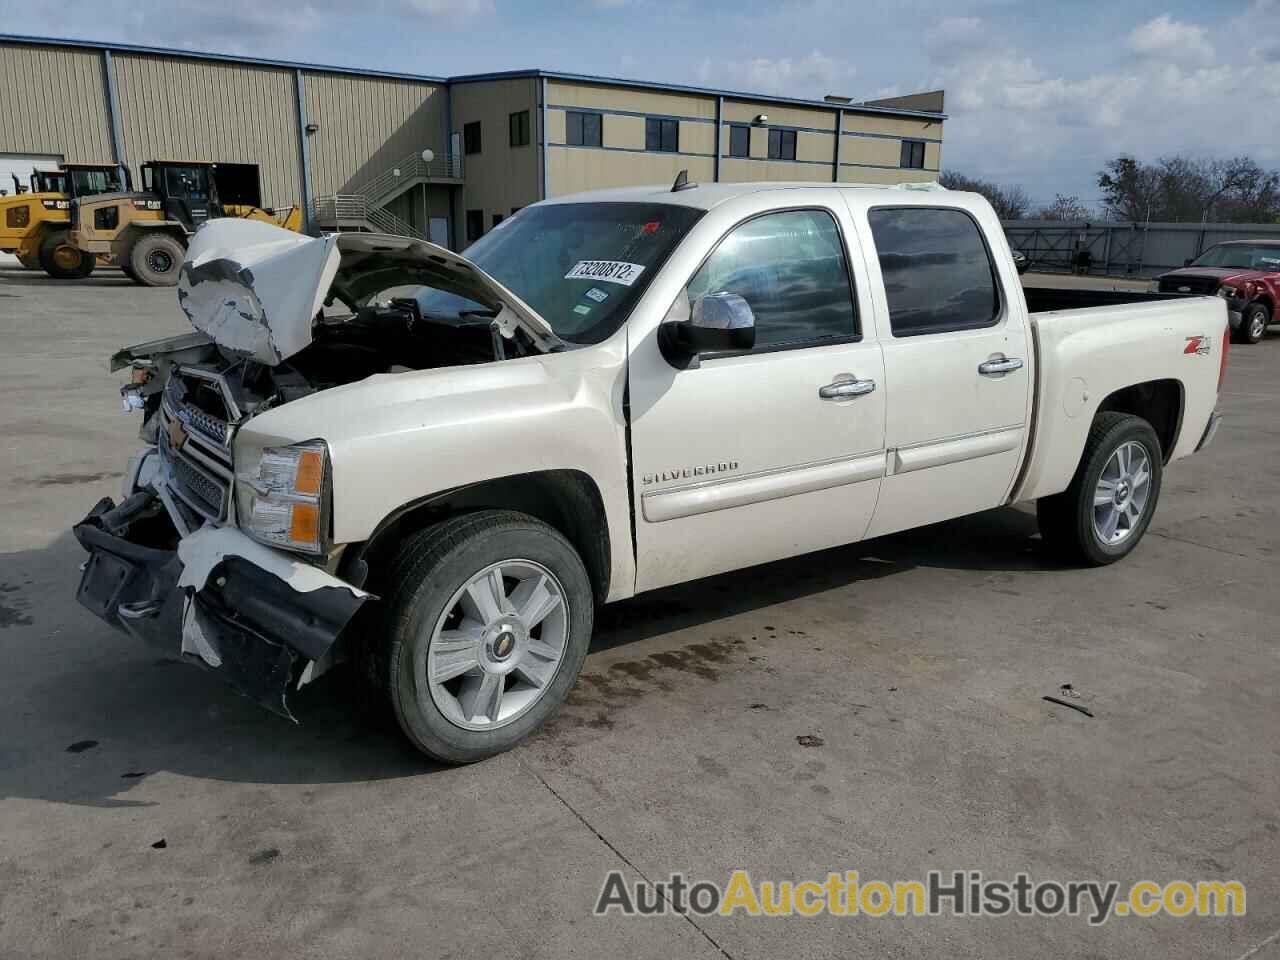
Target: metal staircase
point(367, 210)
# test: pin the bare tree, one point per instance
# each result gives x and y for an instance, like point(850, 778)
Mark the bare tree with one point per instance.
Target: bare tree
point(1130, 189)
point(1180, 188)
point(1064, 208)
point(1010, 203)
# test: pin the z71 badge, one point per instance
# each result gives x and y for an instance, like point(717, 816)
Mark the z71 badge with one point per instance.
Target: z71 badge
point(1198, 345)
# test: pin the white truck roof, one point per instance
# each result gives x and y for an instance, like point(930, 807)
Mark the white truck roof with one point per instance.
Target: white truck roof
point(706, 196)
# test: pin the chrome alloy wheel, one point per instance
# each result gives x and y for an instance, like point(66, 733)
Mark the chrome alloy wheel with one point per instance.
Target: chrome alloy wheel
point(1123, 490)
point(1257, 325)
point(498, 645)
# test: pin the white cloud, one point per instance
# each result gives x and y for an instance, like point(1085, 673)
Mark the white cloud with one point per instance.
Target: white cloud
point(812, 76)
point(1172, 39)
point(1013, 120)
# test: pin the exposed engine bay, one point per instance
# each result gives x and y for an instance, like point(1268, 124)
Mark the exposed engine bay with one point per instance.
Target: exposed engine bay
point(289, 316)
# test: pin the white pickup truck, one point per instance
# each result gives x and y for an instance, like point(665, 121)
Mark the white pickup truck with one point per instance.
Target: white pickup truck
point(377, 450)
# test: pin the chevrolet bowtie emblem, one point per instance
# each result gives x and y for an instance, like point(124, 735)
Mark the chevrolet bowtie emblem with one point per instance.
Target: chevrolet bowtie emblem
point(177, 434)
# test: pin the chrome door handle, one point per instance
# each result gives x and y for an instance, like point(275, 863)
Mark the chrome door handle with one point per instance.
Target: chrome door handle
point(846, 389)
point(1006, 365)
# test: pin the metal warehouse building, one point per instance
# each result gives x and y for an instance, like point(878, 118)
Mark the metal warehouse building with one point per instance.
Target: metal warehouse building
point(349, 144)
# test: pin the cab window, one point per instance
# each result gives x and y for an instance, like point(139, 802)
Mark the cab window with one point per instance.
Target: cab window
point(938, 274)
point(790, 268)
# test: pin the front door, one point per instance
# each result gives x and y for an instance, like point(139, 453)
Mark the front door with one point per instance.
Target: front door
point(748, 457)
point(959, 365)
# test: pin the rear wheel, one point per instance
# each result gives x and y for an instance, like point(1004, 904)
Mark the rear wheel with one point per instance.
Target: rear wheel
point(63, 261)
point(155, 259)
point(486, 626)
point(1106, 510)
point(1254, 320)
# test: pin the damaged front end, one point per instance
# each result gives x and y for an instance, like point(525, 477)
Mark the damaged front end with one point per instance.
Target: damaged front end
point(265, 622)
point(222, 547)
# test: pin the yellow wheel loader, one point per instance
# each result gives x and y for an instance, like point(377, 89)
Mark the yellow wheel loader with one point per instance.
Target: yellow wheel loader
point(146, 233)
point(35, 223)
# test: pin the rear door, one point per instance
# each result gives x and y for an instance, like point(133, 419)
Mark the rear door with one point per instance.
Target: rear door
point(756, 455)
point(958, 365)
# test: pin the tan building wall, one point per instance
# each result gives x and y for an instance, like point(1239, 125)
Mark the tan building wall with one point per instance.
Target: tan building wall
point(54, 102)
point(623, 161)
point(870, 145)
point(500, 177)
point(221, 112)
point(368, 125)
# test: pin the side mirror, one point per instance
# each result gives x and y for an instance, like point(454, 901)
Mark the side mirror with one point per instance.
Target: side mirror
point(1187, 262)
point(717, 322)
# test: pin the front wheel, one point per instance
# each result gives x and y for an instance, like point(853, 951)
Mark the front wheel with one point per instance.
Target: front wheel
point(1254, 320)
point(1105, 511)
point(487, 623)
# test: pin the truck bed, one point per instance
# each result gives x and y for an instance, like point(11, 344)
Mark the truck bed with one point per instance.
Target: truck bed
point(1091, 344)
point(1048, 299)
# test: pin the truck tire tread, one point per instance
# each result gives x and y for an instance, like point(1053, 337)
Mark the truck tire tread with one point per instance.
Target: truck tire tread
point(389, 651)
point(1066, 519)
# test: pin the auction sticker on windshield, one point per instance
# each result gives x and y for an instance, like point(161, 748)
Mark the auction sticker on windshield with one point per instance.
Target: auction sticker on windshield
point(610, 271)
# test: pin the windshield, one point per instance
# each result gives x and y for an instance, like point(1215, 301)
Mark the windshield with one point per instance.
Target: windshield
point(88, 182)
point(581, 266)
point(49, 181)
point(1243, 256)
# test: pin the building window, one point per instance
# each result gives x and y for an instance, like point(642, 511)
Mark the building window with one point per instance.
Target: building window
point(471, 137)
point(739, 140)
point(782, 144)
point(519, 127)
point(913, 154)
point(662, 136)
point(583, 129)
point(475, 225)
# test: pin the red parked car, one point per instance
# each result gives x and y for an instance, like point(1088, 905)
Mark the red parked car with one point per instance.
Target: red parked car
point(1245, 273)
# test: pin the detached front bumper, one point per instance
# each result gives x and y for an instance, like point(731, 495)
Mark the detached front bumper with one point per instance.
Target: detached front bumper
point(257, 617)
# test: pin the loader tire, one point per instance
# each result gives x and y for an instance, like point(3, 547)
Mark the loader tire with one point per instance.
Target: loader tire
point(61, 260)
point(155, 260)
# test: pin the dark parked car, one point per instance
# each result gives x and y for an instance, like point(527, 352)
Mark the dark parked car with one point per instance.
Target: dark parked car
point(1245, 273)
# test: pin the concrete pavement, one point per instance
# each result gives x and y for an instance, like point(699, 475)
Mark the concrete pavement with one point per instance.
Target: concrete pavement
point(146, 810)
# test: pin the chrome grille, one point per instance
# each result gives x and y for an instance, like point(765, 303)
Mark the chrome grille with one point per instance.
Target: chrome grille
point(200, 467)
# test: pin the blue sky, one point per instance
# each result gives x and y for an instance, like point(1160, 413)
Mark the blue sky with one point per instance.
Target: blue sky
point(1038, 94)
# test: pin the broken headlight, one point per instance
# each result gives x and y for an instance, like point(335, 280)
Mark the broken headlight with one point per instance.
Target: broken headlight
point(283, 499)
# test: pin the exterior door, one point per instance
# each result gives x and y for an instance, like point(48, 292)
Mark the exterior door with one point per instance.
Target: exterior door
point(752, 456)
point(958, 364)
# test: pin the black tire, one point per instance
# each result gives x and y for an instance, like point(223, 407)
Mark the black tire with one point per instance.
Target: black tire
point(155, 259)
point(62, 261)
point(1254, 320)
point(1067, 519)
point(29, 264)
point(128, 270)
point(429, 569)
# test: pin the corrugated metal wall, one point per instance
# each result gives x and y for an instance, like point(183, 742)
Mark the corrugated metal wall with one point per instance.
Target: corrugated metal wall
point(55, 102)
point(199, 110)
point(1124, 249)
point(367, 125)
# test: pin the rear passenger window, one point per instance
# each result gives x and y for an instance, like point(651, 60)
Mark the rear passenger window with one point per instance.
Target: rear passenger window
point(790, 267)
point(938, 275)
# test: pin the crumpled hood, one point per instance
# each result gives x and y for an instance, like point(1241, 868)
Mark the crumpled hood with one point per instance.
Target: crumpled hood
point(255, 288)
